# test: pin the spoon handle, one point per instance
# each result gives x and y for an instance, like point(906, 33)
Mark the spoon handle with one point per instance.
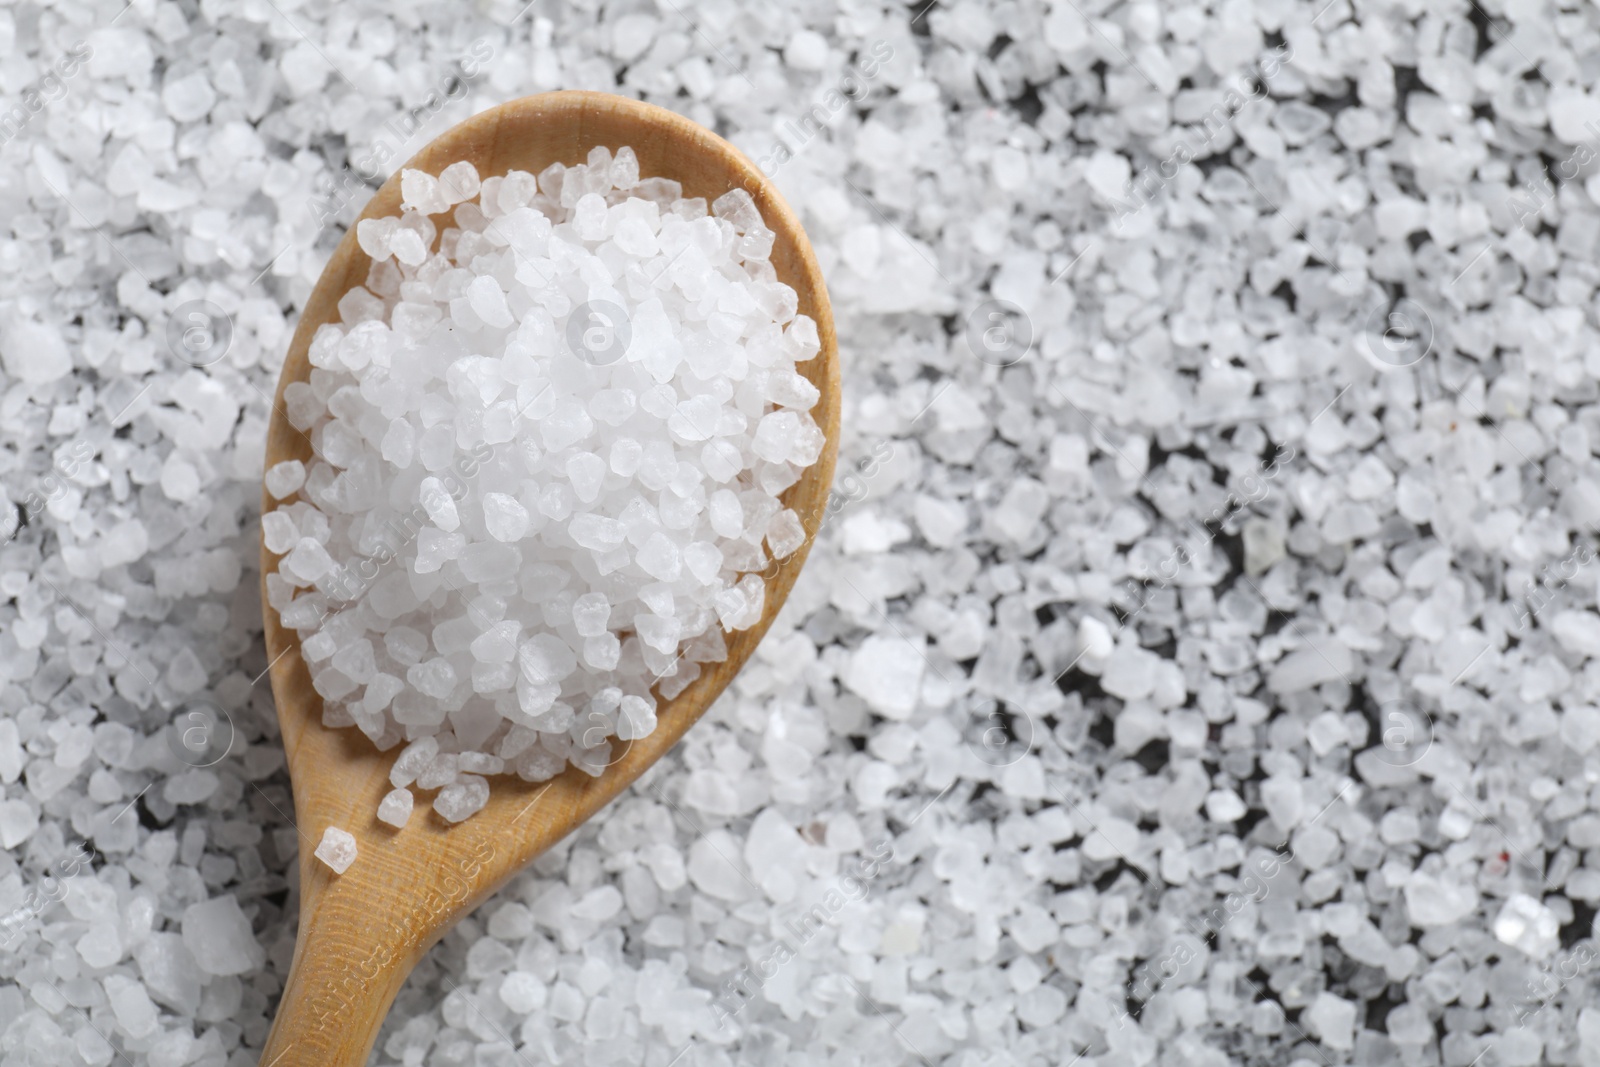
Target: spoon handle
point(360, 935)
point(350, 961)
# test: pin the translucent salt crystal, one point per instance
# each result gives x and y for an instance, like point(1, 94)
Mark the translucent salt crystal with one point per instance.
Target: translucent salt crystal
point(131, 1006)
point(776, 435)
point(1224, 805)
point(463, 799)
point(1283, 799)
point(399, 443)
point(589, 217)
point(1528, 925)
point(441, 771)
point(624, 170)
point(18, 821)
point(278, 531)
point(602, 652)
point(785, 534)
point(590, 613)
point(374, 235)
point(459, 181)
point(306, 562)
point(488, 302)
point(337, 849)
point(659, 633)
point(721, 460)
point(420, 191)
point(545, 659)
point(613, 406)
point(739, 208)
point(1333, 1020)
point(886, 671)
point(566, 425)
point(1434, 901)
point(434, 677)
point(381, 689)
point(595, 532)
point(285, 478)
point(539, 764)
point(522, 993)
point(395, 808)
point(407, 246)
point(218, 936)
point(100, 946)
point(726, 513)
point(636, 718)
point(586, 471)
point(439, 504)
point(411, 762)
point(802, 339)
point(434, 548)
point(660, 558)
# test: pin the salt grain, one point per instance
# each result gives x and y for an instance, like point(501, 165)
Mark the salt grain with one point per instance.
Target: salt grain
point(337, 849)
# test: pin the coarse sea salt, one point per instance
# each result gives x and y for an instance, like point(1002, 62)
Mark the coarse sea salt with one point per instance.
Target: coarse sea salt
point(337, 849)
point(549, 459)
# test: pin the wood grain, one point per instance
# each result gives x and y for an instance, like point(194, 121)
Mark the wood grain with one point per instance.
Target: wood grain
point(361, 933)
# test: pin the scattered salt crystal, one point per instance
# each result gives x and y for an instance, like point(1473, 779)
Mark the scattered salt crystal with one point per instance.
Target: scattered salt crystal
point(1526, 924)
point(218, 936)
point(395, 808)
point(1333, 1020)
point(18, 821)
point(337, 849)
point(887, 673)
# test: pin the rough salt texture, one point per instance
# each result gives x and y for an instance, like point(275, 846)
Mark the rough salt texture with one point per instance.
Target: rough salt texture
point(337, 849)
point(548, 466)
point(1210, 680)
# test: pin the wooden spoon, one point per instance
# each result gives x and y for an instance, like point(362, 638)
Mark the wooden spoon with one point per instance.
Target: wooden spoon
point(362, 932)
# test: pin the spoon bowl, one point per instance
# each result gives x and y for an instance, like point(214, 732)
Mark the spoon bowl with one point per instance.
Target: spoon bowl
point(361, 933)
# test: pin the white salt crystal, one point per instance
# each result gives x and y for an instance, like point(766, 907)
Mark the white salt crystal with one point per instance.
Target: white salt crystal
point(33, 352)
point(1434, 901)
point(407, 246)
point(785, 534)
point(100, 946)
point(374, 236)
point(440, 771)
point(1528, 925)
point(1224, 805)
point(886, 671)
point(337, 849)
point(489, 302)
point(412, 760)
point(131, 1006)
point(421, 192)
point(278, 531)
point(218, 936)
point(285, 478)
point(439, 504)
point(463, 799)
point(18, 820)
point(306, 562)
point(776, 436)
point(590, 612)
point(522, 993)
point(459, 181)
point(1333, 1020)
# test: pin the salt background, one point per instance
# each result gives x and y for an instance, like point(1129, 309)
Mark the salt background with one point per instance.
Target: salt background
point(1209, 679)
